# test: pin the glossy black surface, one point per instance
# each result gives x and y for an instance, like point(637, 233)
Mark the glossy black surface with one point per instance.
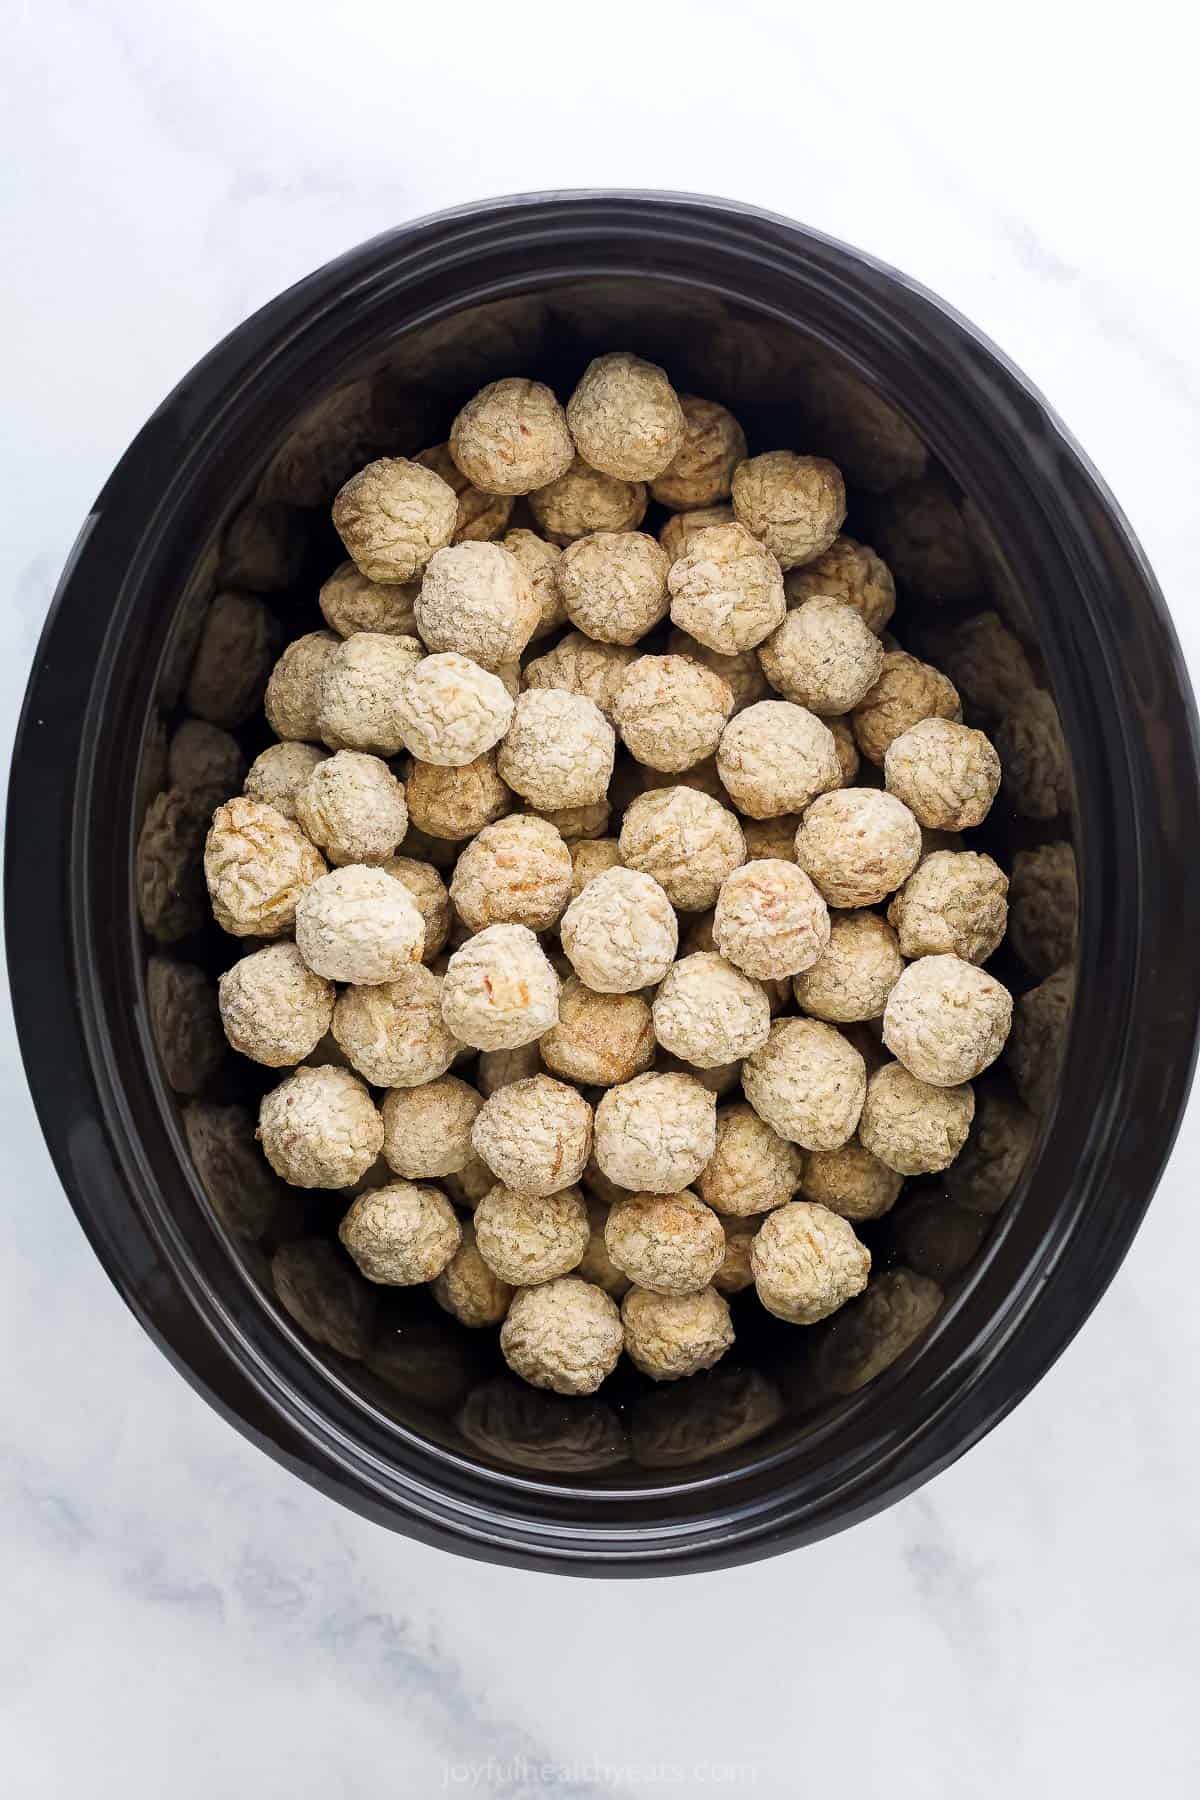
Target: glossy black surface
point(407, 1417)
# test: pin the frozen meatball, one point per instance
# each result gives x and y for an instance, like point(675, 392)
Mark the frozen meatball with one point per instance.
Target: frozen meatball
point(535, 1135)
point(350, 602)
point(752, 1169)
point(540, 562)
point(579, 666)
point(625, 417)
point(477, 600)
point(1037, 769)
point(293, 698)
point(858, 845)
point(771, 840)
point(238, 641)
point(596, 1264)
point(526, 1238)
point(427, 1129)
point(614, 585)
point(393, 1034)
point(655, 1133)
point(735, 1273)
point(669, 1243)
point(770, 920)
point(585, 500)
point(600, 1039)
point(563, 1335)
point(559, 750)
point(850, 1182)
point(481, 516)
point(741, 672)
point(946, 1020)
point(681, 528)
point(952, 904)
point(320, 1128)
point(776, 758)
point(671, 712)
point(353, 808)
point(511, 437)
point(906, 692)
point(808, 1083)
point(497, 1069)
point(807, 1262)
point(686, 840)
point(457, 803)
point(516, 872)
point(468, 1290)
point(591, 857)
point(1041, 1022)
point(274, 1009)
point(947, 774)
point(392, 516)
point(670, 1336)
point(847, 750)
point(359, 924)
point(359, 693)
point(708, 1013)
point(257, 864)
point(1043, 902)
point(850, 572)
point(794, 504)
point(620, 933)
point(701, 472)
point(914, 1128)
point(401, 1234)
point(576, 824)
point(451, 710)
point(428, 891)
point(858, 970)
point(726, 589)
point(277, 776)
point(823, 656)
point(500, 990)
point(994, 1157)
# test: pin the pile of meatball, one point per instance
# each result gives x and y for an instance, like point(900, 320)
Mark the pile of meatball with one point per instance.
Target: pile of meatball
point(610, 979)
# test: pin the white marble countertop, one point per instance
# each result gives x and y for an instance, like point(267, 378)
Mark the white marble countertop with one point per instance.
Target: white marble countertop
point(182, 1616)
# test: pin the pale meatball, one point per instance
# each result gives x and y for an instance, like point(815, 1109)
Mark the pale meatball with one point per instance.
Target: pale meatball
point(497, 1069)
point(540, 562)
point(401, 1234)
point(906, 692)
point(850, 1182)
point(596, 1264)
point(775, 758)
point(771, 840)
point(585, 500)
point(477, 600)
point(770, 920)
point(655, 1132)
point(349, 602)
point(742, 672)
point(511, 437)
point(428, 891)
point(1037, 768)
point(701, 471)
point(671, 1336)
point(808, 1083)
point(847, 750)
point(360, 691)
point(394, 1034)
point(600, 1039)
point(468, 1290)
point(579, 666)
point(320, 1128)
point(516, 872)
point(614, 585)
point(735, 1274)
point(620, 933)
point(577, 824)
point(807, 1262)
point(564, 1335)
point(669, 1243)
point(559, 750)
point(726, 589)
point(947, 774)
point(451, 710)
point(823, 657)
point(671, 712)
point(481, 516)
point(752, 1169)
point(686, 840)
point(427, 1129)
point(708, 1013)
point(526, 1238)
point(1043, 901)
point(292, 701)
point(277, 776)
point(392, 516)
point(457, 803)
point(681, 528)
point(914, 1128)
point(794, 504)
point(946, 1020)
point(257, 864)
point(858, 845)
point(353, 808)
point(273, 1008)
point(850, 572)
point(500, 990)
point(591, 857)
point(860, 967)
point(360, 925)
point(952, 904)
point(535, 1135)
point(625, 417)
